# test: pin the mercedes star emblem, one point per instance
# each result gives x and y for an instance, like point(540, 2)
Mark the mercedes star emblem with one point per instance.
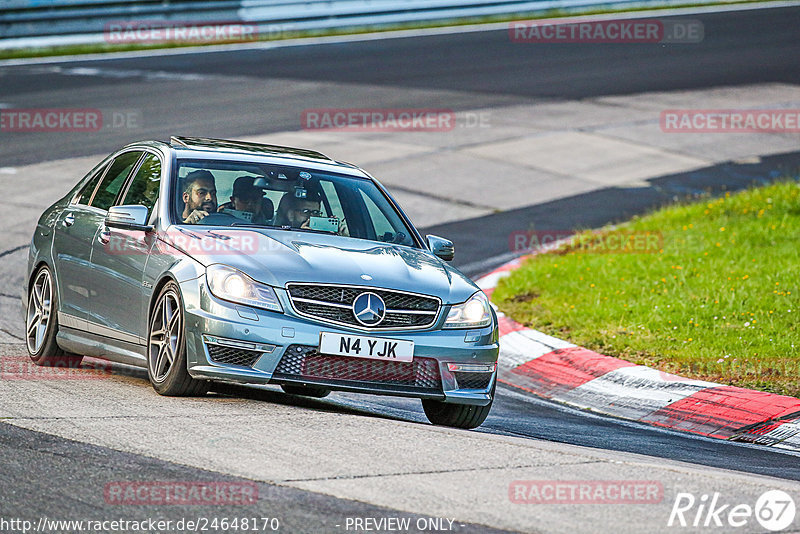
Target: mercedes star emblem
point(369, 309)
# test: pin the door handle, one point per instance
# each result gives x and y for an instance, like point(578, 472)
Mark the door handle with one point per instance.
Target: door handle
point(104, 236)
point(69, 220)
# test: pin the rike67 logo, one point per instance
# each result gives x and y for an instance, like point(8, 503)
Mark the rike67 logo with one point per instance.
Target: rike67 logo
point(774, 510)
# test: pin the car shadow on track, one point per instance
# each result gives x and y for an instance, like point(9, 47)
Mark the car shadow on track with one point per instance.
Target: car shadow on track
point(240, 391)
point(264, 394)
point(16, 365)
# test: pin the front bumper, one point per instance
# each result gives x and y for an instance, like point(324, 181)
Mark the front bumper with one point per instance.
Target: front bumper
point(231, 342)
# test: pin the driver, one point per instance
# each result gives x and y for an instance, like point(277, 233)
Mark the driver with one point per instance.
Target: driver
point(199, 196)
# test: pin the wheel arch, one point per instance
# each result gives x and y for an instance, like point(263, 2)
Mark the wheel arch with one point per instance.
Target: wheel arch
point(36, 268)
point(53, 277)
point(163, 281)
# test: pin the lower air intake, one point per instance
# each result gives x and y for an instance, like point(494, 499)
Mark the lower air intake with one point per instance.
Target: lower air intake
point(304, 362)
point(470, 380)
point(232, 356)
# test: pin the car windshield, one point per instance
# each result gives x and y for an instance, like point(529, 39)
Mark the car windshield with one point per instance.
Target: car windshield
point(224, 193)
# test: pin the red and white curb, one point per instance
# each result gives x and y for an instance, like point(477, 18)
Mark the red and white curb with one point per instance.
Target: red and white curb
point(555, 369)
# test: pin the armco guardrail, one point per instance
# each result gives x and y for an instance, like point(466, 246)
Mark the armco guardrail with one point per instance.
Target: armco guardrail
point(85, 20)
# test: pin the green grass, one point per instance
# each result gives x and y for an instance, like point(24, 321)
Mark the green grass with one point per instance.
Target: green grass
point(100, 48)
point(717, 300)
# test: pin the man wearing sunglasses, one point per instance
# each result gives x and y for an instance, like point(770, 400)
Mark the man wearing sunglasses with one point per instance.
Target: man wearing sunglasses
point(296, 211)
point(301, 211)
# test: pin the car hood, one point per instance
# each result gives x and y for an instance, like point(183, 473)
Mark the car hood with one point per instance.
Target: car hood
point(276, 257)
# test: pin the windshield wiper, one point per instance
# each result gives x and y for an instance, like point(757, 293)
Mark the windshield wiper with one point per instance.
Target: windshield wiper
point(253, 225)
point(285, 228)
point(326, 232)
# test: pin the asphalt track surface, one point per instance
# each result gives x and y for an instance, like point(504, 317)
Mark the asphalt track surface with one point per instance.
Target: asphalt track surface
point(261, 91)
point(231, 94)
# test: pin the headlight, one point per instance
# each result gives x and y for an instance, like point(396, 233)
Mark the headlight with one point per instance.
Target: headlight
point(473, 313)
point(229, 284)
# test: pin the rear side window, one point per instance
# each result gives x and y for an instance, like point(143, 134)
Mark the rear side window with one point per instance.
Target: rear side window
point(85, 194)
point(144, 187)
point(114, 179)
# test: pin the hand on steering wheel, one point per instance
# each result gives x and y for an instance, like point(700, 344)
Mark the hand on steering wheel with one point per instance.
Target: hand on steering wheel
point(195, 217)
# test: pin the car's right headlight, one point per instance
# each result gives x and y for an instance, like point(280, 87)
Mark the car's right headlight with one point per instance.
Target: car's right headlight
point(233, 285)
point(473, 313)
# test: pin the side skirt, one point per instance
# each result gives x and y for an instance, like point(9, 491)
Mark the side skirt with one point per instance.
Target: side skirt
point(81, 342)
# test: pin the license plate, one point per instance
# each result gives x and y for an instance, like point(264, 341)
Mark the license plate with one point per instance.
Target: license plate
point(376, 348)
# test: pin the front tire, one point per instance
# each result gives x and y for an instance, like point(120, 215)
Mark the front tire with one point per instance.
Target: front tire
point(464, 416)
point(166, 347)
point(41, 324)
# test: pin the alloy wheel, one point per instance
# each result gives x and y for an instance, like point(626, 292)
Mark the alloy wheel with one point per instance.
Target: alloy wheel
point(39, 310)
point(165, 336)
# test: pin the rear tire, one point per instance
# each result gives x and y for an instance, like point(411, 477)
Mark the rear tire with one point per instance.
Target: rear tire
point(41, 324)
point(465, 416)
point(166, 347)
point(317, 392)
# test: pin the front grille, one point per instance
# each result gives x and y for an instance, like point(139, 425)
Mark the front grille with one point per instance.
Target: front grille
point(471, 380)
point(333, 304)
point(232, 356)
point(304, 362)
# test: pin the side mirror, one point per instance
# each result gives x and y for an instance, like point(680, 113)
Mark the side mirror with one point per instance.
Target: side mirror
point(441, 247)
point(132, 217)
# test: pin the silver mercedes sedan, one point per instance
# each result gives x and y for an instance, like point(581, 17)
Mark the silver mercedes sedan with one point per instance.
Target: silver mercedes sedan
point(210, 260)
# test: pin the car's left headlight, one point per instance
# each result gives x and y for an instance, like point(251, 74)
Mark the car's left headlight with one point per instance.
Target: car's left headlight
point(231, 284)
point(473, 313)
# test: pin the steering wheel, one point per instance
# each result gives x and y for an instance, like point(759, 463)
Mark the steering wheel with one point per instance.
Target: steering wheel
point(389, 237)
point(219, 218)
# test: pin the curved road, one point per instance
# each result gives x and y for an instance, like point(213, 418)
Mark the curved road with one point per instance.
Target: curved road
point(239, 93)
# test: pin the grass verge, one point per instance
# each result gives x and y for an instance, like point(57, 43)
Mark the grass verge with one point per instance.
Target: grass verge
point(716, 298)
